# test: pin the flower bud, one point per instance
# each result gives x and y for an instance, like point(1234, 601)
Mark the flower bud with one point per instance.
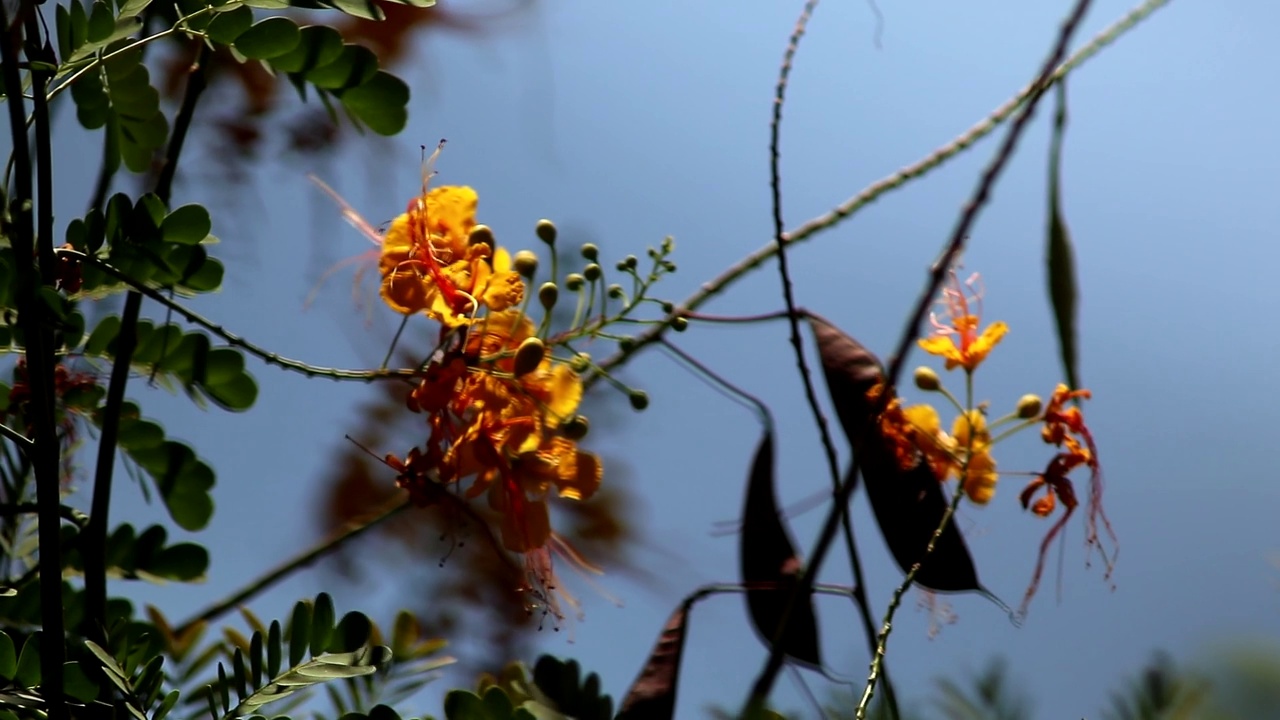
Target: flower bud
point(668, 266)
point(926, 379)
point(615, 291)
point(631, 261)
point(590, 251)
point(576, 427)
point(639, 399)
point(626, 344)
point(548, 294)
point(526, 263)
point(580, 363)
point(679, 324)
point(546, 231)
point(481, 234)
point(1029, 406)
point(668, 307)
point(592, 272)
point(529, 356)
point(574, 282)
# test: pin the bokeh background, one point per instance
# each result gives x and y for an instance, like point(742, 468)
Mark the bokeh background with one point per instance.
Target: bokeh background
point(629, 122)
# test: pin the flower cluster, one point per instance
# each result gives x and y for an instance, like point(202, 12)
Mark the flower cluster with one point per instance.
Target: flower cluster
point(500, 392)
point(965, 453)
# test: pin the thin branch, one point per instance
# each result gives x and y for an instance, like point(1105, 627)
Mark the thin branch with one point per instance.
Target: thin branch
point(67, 512)
point(95, 534)
point(797, 344)
point(24, 443)
point(875, 190)
point(37, 332)
point(235, 340)
point(280, 572)
point(937, 276)
point(952, 250)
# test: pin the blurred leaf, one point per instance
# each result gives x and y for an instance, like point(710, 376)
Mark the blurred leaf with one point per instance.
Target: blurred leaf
point(28, 671)
point(187, 225)
point(8, 658)
point(355, 66)
point(227, 27)
point(771, 567)
point(268, 38)
point(77, 684)
point(559, 681)
point(1060, 258)
point(379, 103)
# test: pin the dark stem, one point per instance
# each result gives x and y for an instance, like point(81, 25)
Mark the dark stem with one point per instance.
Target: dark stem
point(38, 337)
point(806, 377)
point(95, 535)
point(764, 682)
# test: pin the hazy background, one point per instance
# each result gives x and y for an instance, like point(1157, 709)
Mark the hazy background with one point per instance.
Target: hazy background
point(627, 122)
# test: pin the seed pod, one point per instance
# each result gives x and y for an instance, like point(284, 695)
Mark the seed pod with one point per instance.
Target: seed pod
point(771, 567)
point(908, 504)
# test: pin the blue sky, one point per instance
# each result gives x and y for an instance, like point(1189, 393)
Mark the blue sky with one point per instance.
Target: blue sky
point(630, 122)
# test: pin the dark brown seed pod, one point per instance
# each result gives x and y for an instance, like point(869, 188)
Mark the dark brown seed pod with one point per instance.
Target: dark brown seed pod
point(653, 695)
point(771, 567)
point(908, 504)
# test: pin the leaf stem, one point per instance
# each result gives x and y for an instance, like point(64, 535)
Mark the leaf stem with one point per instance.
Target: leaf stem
point(235, 340)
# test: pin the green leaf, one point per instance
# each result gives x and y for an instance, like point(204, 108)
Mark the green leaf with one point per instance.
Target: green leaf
point(299, 632)
point(355, 66)
point(8, 658)
point(322, 617)
point(235, 395)
point(101, 22)
point(77, 684)
point(379, 103)
point(223, 364)
point(365, 9)
point(1060, 258)
point(208, 278)
point(268, 4)
point(463, 705)
point(182, 480)
point(27, 674)
point(268, 38)
point(318, 45)
point(184, 562)
point(187, 225)
point(226, 27)
point(352, 633)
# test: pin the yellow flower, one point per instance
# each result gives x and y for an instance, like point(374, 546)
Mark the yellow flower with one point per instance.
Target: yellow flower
point(958, 339)
point(971, 436)
point(430, 237)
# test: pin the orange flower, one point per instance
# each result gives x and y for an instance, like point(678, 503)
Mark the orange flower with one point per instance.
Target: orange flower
point(958, 339)
point(980, 470)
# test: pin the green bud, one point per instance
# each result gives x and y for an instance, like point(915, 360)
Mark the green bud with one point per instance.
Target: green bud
point(668, 266)
point(580, 363)
point(1029, 406)
point(615, 291)
point(574, 282)
point(927, 379)
point(576, 427)
point(592, 272)
point(639, 399)
point(482, 235)
point(546, 231)
point(529, 356)
point(631, 261)
point(626, 344)
point(679, 324)
point(526, 263)
point(590, 251)
point(668, 307)
point(548, 294)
